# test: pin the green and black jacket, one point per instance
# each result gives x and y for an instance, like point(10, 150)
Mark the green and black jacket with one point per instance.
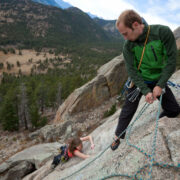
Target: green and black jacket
point(159, 60)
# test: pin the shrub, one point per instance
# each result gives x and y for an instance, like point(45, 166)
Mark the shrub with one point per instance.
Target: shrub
point(111, 111)
point(20, 53)
point(18, 64)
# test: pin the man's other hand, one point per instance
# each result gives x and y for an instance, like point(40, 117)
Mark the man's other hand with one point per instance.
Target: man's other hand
point(157, 91)
point(149, 98)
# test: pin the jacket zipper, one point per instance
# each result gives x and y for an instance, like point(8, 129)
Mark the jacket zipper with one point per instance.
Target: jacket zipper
point(154, 52)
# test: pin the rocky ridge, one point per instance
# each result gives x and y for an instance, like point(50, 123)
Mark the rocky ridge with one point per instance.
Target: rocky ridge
point(85, 107)
point(125, 160)
point(86, 121)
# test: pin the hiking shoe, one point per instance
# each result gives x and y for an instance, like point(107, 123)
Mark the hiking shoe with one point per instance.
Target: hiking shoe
point(115, 144)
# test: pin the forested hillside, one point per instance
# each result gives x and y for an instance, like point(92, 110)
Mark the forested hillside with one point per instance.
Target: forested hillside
point(109, 26)
point(33, 25)
point(70, 33)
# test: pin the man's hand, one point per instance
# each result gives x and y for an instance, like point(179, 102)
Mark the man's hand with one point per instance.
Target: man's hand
point(157, 91)
point(149, 98)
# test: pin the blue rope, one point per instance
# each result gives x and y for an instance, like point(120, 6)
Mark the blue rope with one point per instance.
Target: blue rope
point(126, 175)
point(152, 160)
point(151, 157)
point(155, 137)
point(170, 83)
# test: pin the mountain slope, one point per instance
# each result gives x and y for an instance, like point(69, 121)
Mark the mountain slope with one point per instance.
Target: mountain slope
point(56, 3)
point(48, 2)
point(63, 4)
point(46, 26)
point(109, 26)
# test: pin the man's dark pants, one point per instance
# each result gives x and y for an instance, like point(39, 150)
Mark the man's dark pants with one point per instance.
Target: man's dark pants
point(169, 105)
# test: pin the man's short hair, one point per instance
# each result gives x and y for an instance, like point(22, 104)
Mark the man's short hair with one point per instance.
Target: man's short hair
point(128, 17)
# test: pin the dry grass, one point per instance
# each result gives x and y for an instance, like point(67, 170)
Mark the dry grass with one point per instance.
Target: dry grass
point(13, 142)
point(25, 65)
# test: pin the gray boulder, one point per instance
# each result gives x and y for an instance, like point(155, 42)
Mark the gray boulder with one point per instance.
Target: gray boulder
point(19, 171)
point(28, 160)
point(74, 111)
point(108, 82)
point(127, 160)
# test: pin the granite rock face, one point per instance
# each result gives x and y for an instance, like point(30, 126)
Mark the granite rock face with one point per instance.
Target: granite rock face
point(28, 160)
point(108, 82)
point(80, 111)
point(127, 159)
point(132, 156)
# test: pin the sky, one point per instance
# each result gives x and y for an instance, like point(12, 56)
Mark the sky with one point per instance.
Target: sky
point(166, 12)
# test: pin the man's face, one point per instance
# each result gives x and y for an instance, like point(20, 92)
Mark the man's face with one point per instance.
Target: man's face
point(128, 33)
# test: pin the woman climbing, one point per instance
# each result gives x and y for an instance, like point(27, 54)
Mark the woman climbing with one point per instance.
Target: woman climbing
point(73, 148)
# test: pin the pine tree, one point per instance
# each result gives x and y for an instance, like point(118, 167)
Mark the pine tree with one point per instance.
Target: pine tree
point(59, 100)
point(41, 95)
point(36, 119)
point(9, 112)
point(34, 115)
point(24, 120)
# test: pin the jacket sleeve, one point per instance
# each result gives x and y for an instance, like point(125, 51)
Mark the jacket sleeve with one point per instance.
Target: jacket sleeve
point(168, 40)
point(132, 71)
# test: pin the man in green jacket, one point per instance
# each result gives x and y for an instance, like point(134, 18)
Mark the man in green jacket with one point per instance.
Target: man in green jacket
point(157, 66)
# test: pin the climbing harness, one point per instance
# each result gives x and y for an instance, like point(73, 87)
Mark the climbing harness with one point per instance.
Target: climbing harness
point(132, 96)
point(62, 156)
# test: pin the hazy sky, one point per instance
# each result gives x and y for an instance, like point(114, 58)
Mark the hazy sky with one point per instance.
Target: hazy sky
point(165, 12)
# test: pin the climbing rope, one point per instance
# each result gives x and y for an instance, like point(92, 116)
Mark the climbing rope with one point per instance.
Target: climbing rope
point(152, 160)
point(126, 175)
point(140, 113)
point(139, 149)
point(151, 157)
point(170, 83)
